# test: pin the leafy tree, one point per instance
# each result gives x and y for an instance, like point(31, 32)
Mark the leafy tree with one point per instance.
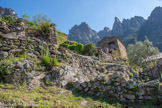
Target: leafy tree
point(139, 51)
point(89, 49)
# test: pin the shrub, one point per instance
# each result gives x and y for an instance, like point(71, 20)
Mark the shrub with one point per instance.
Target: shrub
point(131, 75)
point(47, 61)
point(65, 45)
point(78, 47)
point(8, 19)
point(89, 49)
point(44, 29)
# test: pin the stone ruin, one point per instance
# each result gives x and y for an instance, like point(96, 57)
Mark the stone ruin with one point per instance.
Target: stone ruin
point(110, 44)
point(18, 30)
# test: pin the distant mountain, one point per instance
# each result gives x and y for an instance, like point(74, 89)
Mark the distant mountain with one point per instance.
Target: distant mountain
point(126, 30)
point(152, 28)
point(7, 12)
point(105, 32)
point(83, 34)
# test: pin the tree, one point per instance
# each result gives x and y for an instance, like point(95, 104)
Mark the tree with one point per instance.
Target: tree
point(139, 51)
point(39, 18)
point(89, 49)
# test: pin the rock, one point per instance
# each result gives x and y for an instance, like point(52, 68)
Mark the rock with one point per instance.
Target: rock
point(152, 83)
point(3, 54)
point(147, 97)
point(130, 96)
point(84, 84)
point(83, 102)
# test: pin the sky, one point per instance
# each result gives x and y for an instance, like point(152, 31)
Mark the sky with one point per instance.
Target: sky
point(97, 13)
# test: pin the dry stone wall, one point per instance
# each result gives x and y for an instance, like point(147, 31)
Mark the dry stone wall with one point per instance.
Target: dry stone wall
point(119, 84)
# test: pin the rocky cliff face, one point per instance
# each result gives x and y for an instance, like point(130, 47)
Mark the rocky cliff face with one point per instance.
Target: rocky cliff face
point(83, 34)
point(118, 29)
point(7, 12)
point(152, 28)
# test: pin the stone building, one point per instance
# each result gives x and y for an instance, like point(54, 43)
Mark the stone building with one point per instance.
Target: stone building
point(108, 44)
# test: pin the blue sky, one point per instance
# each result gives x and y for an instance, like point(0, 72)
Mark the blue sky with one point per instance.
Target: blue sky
point(97, 13)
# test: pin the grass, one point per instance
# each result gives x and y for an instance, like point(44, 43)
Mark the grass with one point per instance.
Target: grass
point(46, 97)
point(52, 96)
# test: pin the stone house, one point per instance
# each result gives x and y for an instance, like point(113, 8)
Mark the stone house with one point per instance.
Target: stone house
point(108, 44)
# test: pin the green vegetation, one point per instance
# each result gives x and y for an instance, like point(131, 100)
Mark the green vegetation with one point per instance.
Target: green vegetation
point(138, 52)
point(8, 20)
point(89, 49)
point(46, 97)
point(131, 75)
point(53, 97)
point(44, 28)
point(61, 37)
point(47, 61)
point(74, 46)
point(41, 26)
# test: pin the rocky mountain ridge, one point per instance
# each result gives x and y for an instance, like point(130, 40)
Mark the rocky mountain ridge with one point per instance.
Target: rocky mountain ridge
point(128, 30)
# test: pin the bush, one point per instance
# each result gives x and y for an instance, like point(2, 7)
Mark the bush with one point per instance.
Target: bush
point(89, 49)
point(44, 29)
point(78, 47)
point(8, 20)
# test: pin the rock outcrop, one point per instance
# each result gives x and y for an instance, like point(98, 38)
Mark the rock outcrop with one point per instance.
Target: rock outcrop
point(83, 34)
point(118, 29)
point(7, 12)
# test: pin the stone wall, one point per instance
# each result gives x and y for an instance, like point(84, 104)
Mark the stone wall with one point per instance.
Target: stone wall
point(15, 30)
point(119, 84)
point(154, 72)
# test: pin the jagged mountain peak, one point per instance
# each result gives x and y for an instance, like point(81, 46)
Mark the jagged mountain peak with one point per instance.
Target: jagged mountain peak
point(83, 34)
point(117, 20)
